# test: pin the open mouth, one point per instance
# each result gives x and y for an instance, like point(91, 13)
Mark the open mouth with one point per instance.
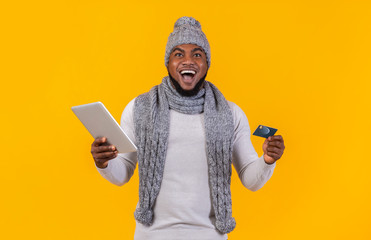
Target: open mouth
point(188, 75)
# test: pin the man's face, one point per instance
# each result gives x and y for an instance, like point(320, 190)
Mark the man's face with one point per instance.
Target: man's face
point(187, 65)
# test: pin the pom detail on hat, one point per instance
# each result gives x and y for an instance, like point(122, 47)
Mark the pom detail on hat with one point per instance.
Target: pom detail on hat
point(187, 20)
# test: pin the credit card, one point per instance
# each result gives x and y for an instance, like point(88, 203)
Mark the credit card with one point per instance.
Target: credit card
point(264, 131)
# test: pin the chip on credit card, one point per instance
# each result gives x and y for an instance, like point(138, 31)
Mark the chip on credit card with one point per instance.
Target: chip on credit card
point(264, 131)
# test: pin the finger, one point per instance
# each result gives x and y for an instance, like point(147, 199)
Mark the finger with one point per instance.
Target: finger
point(275, 156)
point(277, 137)
point(98, 141)
point(101, 149)
point(276, 143)
point(274, 149)
point(102, 161)
point(105, 155)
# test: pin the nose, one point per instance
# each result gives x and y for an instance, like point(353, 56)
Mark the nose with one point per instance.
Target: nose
point(187, 60)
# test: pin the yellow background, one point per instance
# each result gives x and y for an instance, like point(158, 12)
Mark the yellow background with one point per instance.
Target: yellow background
point(300, 66)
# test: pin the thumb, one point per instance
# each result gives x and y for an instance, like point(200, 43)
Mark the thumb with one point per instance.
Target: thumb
point(265, 145)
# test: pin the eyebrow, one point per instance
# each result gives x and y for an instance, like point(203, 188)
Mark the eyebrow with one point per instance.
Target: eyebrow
point(196, 49)
point(179, 49)
point(193, 50)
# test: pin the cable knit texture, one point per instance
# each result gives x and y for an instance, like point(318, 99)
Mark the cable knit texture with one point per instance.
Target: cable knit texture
point(151, 119)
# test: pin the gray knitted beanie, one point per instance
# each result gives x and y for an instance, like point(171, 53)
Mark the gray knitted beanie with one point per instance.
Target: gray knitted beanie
point(187, 30)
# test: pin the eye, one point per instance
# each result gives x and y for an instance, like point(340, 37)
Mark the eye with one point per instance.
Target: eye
point(178, 54)
point(197, 55)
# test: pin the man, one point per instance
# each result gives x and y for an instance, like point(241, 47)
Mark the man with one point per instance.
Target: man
point(188, 136)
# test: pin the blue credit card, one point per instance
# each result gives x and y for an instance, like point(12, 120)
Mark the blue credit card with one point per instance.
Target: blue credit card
point(264, 131)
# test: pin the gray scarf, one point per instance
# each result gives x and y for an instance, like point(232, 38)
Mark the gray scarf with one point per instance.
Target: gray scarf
point(151, 118)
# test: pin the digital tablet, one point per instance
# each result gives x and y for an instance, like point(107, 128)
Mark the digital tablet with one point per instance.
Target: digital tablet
point(100, 123)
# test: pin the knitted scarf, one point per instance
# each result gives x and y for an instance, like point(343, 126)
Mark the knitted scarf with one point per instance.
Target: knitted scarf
point(152, 117)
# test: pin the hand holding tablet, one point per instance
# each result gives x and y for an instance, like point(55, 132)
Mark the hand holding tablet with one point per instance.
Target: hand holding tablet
point(102, 152)
point(110, 139)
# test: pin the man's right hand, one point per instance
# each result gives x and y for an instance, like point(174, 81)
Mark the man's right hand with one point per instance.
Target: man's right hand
point(102, 152)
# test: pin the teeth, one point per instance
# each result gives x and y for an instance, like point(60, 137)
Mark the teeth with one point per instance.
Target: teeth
point(187, 71)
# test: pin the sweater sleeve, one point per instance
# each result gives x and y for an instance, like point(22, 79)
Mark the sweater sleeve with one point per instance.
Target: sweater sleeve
point(252, 170)
point(120, 169)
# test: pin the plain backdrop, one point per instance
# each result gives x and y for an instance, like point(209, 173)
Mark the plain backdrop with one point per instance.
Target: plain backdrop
point(300, 66)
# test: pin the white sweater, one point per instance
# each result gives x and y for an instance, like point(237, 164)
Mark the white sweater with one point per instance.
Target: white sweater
point(183, 208)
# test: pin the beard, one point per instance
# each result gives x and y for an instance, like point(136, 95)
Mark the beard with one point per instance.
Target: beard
point(187, 93)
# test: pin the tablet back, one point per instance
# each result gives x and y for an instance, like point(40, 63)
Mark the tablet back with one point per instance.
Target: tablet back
point(100, 123)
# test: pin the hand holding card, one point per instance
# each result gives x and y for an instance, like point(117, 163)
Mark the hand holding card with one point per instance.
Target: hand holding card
point(273, 145)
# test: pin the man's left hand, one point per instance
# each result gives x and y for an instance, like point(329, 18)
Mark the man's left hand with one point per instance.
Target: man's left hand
point(273, 148)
